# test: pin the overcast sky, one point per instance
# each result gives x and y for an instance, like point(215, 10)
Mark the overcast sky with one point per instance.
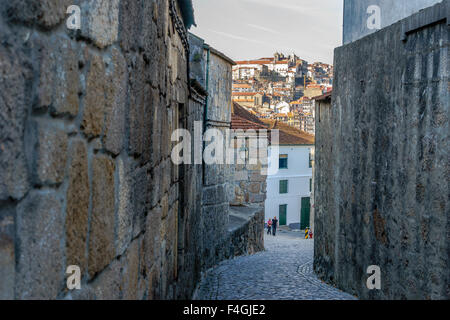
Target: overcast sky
point(247, 29)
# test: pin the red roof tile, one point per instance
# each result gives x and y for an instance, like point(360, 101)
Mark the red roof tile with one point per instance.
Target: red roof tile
point(290, 135)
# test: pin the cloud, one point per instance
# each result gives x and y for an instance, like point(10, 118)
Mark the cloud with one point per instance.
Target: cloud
point(312, 9)
point(283, 5)
point(263, 28)
point(232, 36)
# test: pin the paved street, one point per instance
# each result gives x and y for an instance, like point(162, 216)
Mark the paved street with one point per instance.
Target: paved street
point(282, 272)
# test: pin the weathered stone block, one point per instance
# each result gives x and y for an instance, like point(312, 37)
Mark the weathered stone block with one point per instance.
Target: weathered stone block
point(116, 92)
point(66, 85)
point(138, 90)
point(209, 195)
point(101, 23)
point(7, 254)
point(14, 180)
point(166, 175)
point(164, 139)
point(171, 237)
point(156, 186)
point(57, 69)
point(77, 206)
point(142, 272)
point(257, 198)
point(40, 228)
point(141, 195)
point(241, 175)
point(151, 130)
point(254, 167)
point(125, 207)
point(211, 173)
point(157, 128)
point(94, 104)
point(164, 207)
point(257, 177)
point(50, 152)
point(101, 241)
point(130, 15)
point(46, 64)
point(46, 13)
point(85, 293)
point(109, 283)
point(154, 283)
point(152, 241)
point(162, 65)
point(131, 272)
point(254, 187)
point(238, 196)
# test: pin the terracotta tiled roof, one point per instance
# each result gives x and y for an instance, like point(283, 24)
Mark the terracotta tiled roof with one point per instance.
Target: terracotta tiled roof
point(240, 113)
point(316, 86)
point(253, 62)
point(244, 124)
point(290, 135)
point(324, 96)
point(244, 93)
point(241, 85)
point(243, 100)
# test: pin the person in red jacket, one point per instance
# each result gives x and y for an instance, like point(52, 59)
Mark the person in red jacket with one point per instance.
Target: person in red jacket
point(269, 226)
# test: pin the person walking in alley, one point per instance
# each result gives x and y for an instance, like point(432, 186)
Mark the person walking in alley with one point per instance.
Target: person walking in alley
point(269, 226)
point(274, 225)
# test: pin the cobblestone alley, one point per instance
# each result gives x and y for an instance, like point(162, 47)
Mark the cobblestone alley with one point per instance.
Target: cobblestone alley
point(282, 272)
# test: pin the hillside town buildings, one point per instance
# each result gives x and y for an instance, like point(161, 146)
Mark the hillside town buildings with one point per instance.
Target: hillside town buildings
point(281, 88)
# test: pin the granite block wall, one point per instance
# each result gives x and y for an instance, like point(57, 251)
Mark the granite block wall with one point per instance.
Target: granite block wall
point(382, 170)
point(86, 177)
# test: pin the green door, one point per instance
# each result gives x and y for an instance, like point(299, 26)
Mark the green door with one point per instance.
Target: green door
point(306, 207)
point(282, 214)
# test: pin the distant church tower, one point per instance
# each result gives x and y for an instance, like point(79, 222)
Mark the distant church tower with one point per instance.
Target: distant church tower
point(277, 56)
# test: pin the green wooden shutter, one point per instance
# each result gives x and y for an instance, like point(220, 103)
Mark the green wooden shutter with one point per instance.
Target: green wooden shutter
point(283, 186)
point(305, 210)
point(282, 213)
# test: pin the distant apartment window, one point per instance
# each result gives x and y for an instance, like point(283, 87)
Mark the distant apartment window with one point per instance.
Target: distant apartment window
point(283, 162)
point(310, 159)
point(310, 185)
point(283, 186)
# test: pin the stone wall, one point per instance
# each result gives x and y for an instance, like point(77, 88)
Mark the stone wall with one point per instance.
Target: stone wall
point(212, 70)
point(217, 177)
point(381, 178)
point(246, 230)
point(85, 171)
point(250, 180)
point(225, 232)
point(190, 232)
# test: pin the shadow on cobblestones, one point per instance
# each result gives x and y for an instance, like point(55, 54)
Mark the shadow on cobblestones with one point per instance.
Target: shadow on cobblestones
point(282, 272)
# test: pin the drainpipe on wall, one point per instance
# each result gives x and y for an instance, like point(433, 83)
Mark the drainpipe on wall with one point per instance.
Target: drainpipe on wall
point(207, 86)
point(205, 114)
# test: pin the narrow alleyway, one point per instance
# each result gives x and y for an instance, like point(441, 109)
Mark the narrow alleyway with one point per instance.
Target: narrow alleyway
point(282, 272)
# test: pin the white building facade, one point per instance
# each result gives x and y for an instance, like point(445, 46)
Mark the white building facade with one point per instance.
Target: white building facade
point(283, 107)
point(289, 189)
